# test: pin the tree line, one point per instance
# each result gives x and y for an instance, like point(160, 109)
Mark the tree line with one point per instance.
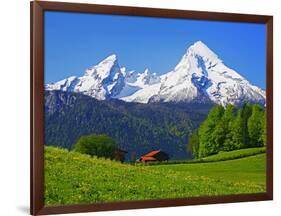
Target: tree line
point(229, 128)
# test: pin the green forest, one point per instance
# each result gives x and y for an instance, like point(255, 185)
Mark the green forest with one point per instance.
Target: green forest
point(229, 128)
point(136, 128)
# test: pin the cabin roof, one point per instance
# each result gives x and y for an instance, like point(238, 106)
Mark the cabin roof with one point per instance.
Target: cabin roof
point(146, 158)
point(151, 154)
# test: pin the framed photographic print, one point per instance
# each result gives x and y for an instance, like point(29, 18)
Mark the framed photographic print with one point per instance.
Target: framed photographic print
point(142, 107)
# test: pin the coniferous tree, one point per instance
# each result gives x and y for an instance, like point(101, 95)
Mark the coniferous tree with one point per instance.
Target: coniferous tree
point(255, 127)
point(239, 128)
point(246, 112)
point(227, 121)
point(208, 145)
point(263, 122)
point(193, 144)
point(218, 136)
point(236, 132)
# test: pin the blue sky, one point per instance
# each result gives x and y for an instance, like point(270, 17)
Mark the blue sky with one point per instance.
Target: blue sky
point(75, 41)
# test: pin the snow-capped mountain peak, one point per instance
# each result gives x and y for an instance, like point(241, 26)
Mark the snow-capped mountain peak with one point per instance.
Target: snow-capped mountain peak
point(101, 81)
point(199, 76)
point(201, 49)
point(103, 68)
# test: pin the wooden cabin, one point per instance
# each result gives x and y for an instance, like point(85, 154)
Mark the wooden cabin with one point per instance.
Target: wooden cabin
point(119, 155)
point(157, 155)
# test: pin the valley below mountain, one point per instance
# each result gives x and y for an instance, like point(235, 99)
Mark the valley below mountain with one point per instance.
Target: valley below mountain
point(137, 128)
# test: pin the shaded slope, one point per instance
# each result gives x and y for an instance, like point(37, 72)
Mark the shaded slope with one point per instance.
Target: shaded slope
point(137, 128)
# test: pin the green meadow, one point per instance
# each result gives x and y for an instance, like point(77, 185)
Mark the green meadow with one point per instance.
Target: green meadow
point(74, 178)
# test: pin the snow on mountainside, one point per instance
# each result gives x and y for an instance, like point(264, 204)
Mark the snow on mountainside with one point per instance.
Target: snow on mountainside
point(199, 76)
point(136, 82)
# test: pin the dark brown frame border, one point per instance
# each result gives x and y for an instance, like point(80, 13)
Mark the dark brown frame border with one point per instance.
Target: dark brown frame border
point(37, 104)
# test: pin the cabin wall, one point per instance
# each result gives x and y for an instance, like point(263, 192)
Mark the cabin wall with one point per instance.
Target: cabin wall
point(161, 156)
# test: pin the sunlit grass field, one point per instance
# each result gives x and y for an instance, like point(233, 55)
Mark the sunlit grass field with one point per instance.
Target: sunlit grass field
point(73, 178)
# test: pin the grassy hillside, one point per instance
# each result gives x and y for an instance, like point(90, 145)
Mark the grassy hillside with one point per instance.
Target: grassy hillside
point(248, 170)
point(72, 178)
point(223, 156)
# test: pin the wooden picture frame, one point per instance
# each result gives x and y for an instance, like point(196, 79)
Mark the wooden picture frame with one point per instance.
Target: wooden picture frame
point(37, 104)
